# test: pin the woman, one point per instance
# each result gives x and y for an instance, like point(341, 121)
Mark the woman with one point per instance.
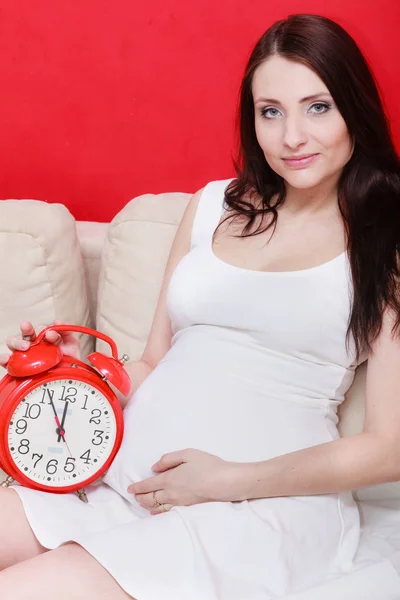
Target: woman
point(278, 284)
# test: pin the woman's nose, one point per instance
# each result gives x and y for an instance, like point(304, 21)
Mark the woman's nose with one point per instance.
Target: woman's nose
point(295, 133)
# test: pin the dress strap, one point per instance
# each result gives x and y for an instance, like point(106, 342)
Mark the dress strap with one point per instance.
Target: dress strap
point(209, 212)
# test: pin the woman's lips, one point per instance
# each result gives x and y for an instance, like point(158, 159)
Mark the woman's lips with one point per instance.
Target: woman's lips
point(300, 162)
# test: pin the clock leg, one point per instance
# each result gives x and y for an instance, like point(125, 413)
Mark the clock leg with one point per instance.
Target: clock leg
point(82, 495)
point(7, 482)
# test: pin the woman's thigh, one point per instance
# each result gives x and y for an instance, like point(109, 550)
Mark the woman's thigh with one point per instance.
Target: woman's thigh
point(66, 573)
point(17, 541)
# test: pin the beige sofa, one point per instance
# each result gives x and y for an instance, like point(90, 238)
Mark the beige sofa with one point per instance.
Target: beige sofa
point(108, 276)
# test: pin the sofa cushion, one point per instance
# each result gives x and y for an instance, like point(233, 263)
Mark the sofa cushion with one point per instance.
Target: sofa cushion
point(133, 263)
point(41, 271)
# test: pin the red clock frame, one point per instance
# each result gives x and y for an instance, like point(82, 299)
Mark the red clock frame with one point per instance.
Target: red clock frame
point(12, 392)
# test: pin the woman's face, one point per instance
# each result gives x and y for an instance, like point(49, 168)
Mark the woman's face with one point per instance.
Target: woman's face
point(295, 116)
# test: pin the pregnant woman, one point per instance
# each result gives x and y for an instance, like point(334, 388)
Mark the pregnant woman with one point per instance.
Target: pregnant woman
point(232, 482)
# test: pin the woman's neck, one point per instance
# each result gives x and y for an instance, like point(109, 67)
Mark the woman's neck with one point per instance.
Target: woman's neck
point(320, 198)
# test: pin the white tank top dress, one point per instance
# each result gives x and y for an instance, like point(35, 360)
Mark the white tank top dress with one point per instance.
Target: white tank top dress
point(257, 368)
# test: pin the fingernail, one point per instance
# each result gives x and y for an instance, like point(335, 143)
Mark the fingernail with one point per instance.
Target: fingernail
point(25, 345)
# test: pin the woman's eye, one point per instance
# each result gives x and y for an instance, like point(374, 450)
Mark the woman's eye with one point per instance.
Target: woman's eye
point(321, 105)
point(266, 112)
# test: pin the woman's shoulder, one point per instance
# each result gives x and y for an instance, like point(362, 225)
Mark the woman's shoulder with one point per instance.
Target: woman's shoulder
point(217, 185)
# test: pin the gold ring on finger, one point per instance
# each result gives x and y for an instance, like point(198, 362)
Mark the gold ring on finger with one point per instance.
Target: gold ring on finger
point(156, 503)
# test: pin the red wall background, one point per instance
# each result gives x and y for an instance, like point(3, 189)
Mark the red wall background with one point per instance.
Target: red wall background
point(101, 101)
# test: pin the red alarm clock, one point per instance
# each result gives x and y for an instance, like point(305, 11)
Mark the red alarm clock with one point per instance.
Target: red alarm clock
point(61, 424)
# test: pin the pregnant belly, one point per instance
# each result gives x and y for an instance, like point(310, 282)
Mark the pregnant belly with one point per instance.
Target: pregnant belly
point(184, 405)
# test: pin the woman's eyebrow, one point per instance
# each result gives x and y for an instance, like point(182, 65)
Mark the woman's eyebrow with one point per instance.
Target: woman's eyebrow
point(306, 99)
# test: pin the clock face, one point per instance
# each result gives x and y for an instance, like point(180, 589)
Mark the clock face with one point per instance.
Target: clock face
point(62, 433)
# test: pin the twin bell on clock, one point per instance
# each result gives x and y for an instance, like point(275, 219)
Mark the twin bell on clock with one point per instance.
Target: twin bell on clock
point(61, 423)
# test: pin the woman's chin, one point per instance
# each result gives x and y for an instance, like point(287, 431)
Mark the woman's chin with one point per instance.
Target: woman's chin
point(303, 182)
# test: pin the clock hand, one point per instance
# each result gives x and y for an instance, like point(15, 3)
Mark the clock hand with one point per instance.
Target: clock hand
point(57, 420)
point(61, 432)
point(66, 443)
point(60, 425)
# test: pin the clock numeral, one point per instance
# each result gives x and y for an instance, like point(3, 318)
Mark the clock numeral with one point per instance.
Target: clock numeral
point(20, 429)
point(96, 412)
point(86, 457)
point(70, 463)
point(32, 412)
point(33, 458)
point(49, 393)
point(70, 396)
point(24, 446)
point(84, 404)
point(98, 439)
point(51, 466)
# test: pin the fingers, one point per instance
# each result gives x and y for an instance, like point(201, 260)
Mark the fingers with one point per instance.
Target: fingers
point(171, 459)
point(54, 337)
point(145, 486)
point(66, 337)
point(156, 503)
point(146, 499)
point(15, 343)
point(27, 331)
point(165, 507)
point(28, 335)
point(70, 343)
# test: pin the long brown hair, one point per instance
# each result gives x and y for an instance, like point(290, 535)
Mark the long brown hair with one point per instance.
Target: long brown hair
point(369, 186)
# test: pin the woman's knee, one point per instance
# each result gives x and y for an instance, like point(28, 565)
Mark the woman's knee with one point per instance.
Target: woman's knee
point(66, 573)
point(17, 541)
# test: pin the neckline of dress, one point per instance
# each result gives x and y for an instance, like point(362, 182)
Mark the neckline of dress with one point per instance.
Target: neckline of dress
point(257, 272)
point(331, 262)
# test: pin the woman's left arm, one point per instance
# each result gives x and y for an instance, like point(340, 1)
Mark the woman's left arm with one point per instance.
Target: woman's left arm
point(370, 457)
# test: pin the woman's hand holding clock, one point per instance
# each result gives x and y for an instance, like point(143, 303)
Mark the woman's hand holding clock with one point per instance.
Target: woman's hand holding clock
point(68, 342)
point(69, 345)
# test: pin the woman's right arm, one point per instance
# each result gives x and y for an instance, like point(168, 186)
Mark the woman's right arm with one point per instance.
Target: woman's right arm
point(159, 340)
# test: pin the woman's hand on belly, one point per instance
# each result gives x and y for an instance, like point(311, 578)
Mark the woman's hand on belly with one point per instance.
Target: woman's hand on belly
point(184, 478)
